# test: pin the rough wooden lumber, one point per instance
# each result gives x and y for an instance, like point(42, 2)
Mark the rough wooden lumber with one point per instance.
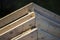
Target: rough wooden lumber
point(15, 15)
point(17, 27)
point(48, 25)
point(42, 35)
point(46, 13)
point(30, 34)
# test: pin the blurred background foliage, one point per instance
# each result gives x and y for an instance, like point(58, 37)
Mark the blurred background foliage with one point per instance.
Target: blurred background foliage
point(8, 6)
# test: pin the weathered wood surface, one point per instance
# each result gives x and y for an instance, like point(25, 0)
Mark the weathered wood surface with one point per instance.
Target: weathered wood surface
point(46, 13)
point(30, 34)
point(47, 25)
point(15, 15)
point(42, 35)
point(47, 22)
point(17, 27)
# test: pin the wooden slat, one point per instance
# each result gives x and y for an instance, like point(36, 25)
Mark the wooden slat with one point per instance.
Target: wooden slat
point(42, 35)
point(17, 23)
point(15, 15)
point(30, 34)
point(24, 24)
point(47, 13)
point(48, 26)
point(18, 30)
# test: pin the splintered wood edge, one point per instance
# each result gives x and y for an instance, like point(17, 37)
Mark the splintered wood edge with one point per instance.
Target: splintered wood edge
point(7, 28)
point(24, 34)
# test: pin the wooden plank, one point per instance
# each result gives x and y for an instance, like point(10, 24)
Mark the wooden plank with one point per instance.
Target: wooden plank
point(17, 27)
point(42, 35)
point(15, 15)
point(48, 26)
point(30, 34)
point(47, 13)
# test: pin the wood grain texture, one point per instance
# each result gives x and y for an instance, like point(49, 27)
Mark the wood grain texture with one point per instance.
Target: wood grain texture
point(19, 26)
point(31, 34)
point(42, 35)
point(15, 15)
point(47, 25)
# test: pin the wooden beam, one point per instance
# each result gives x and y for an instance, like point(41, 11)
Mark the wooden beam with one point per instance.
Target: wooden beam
point(18, 26)
point(30, 34)
point(48, 25)
point(15, 15)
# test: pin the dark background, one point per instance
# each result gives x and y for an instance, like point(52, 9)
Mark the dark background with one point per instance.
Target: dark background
point(8, 6)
